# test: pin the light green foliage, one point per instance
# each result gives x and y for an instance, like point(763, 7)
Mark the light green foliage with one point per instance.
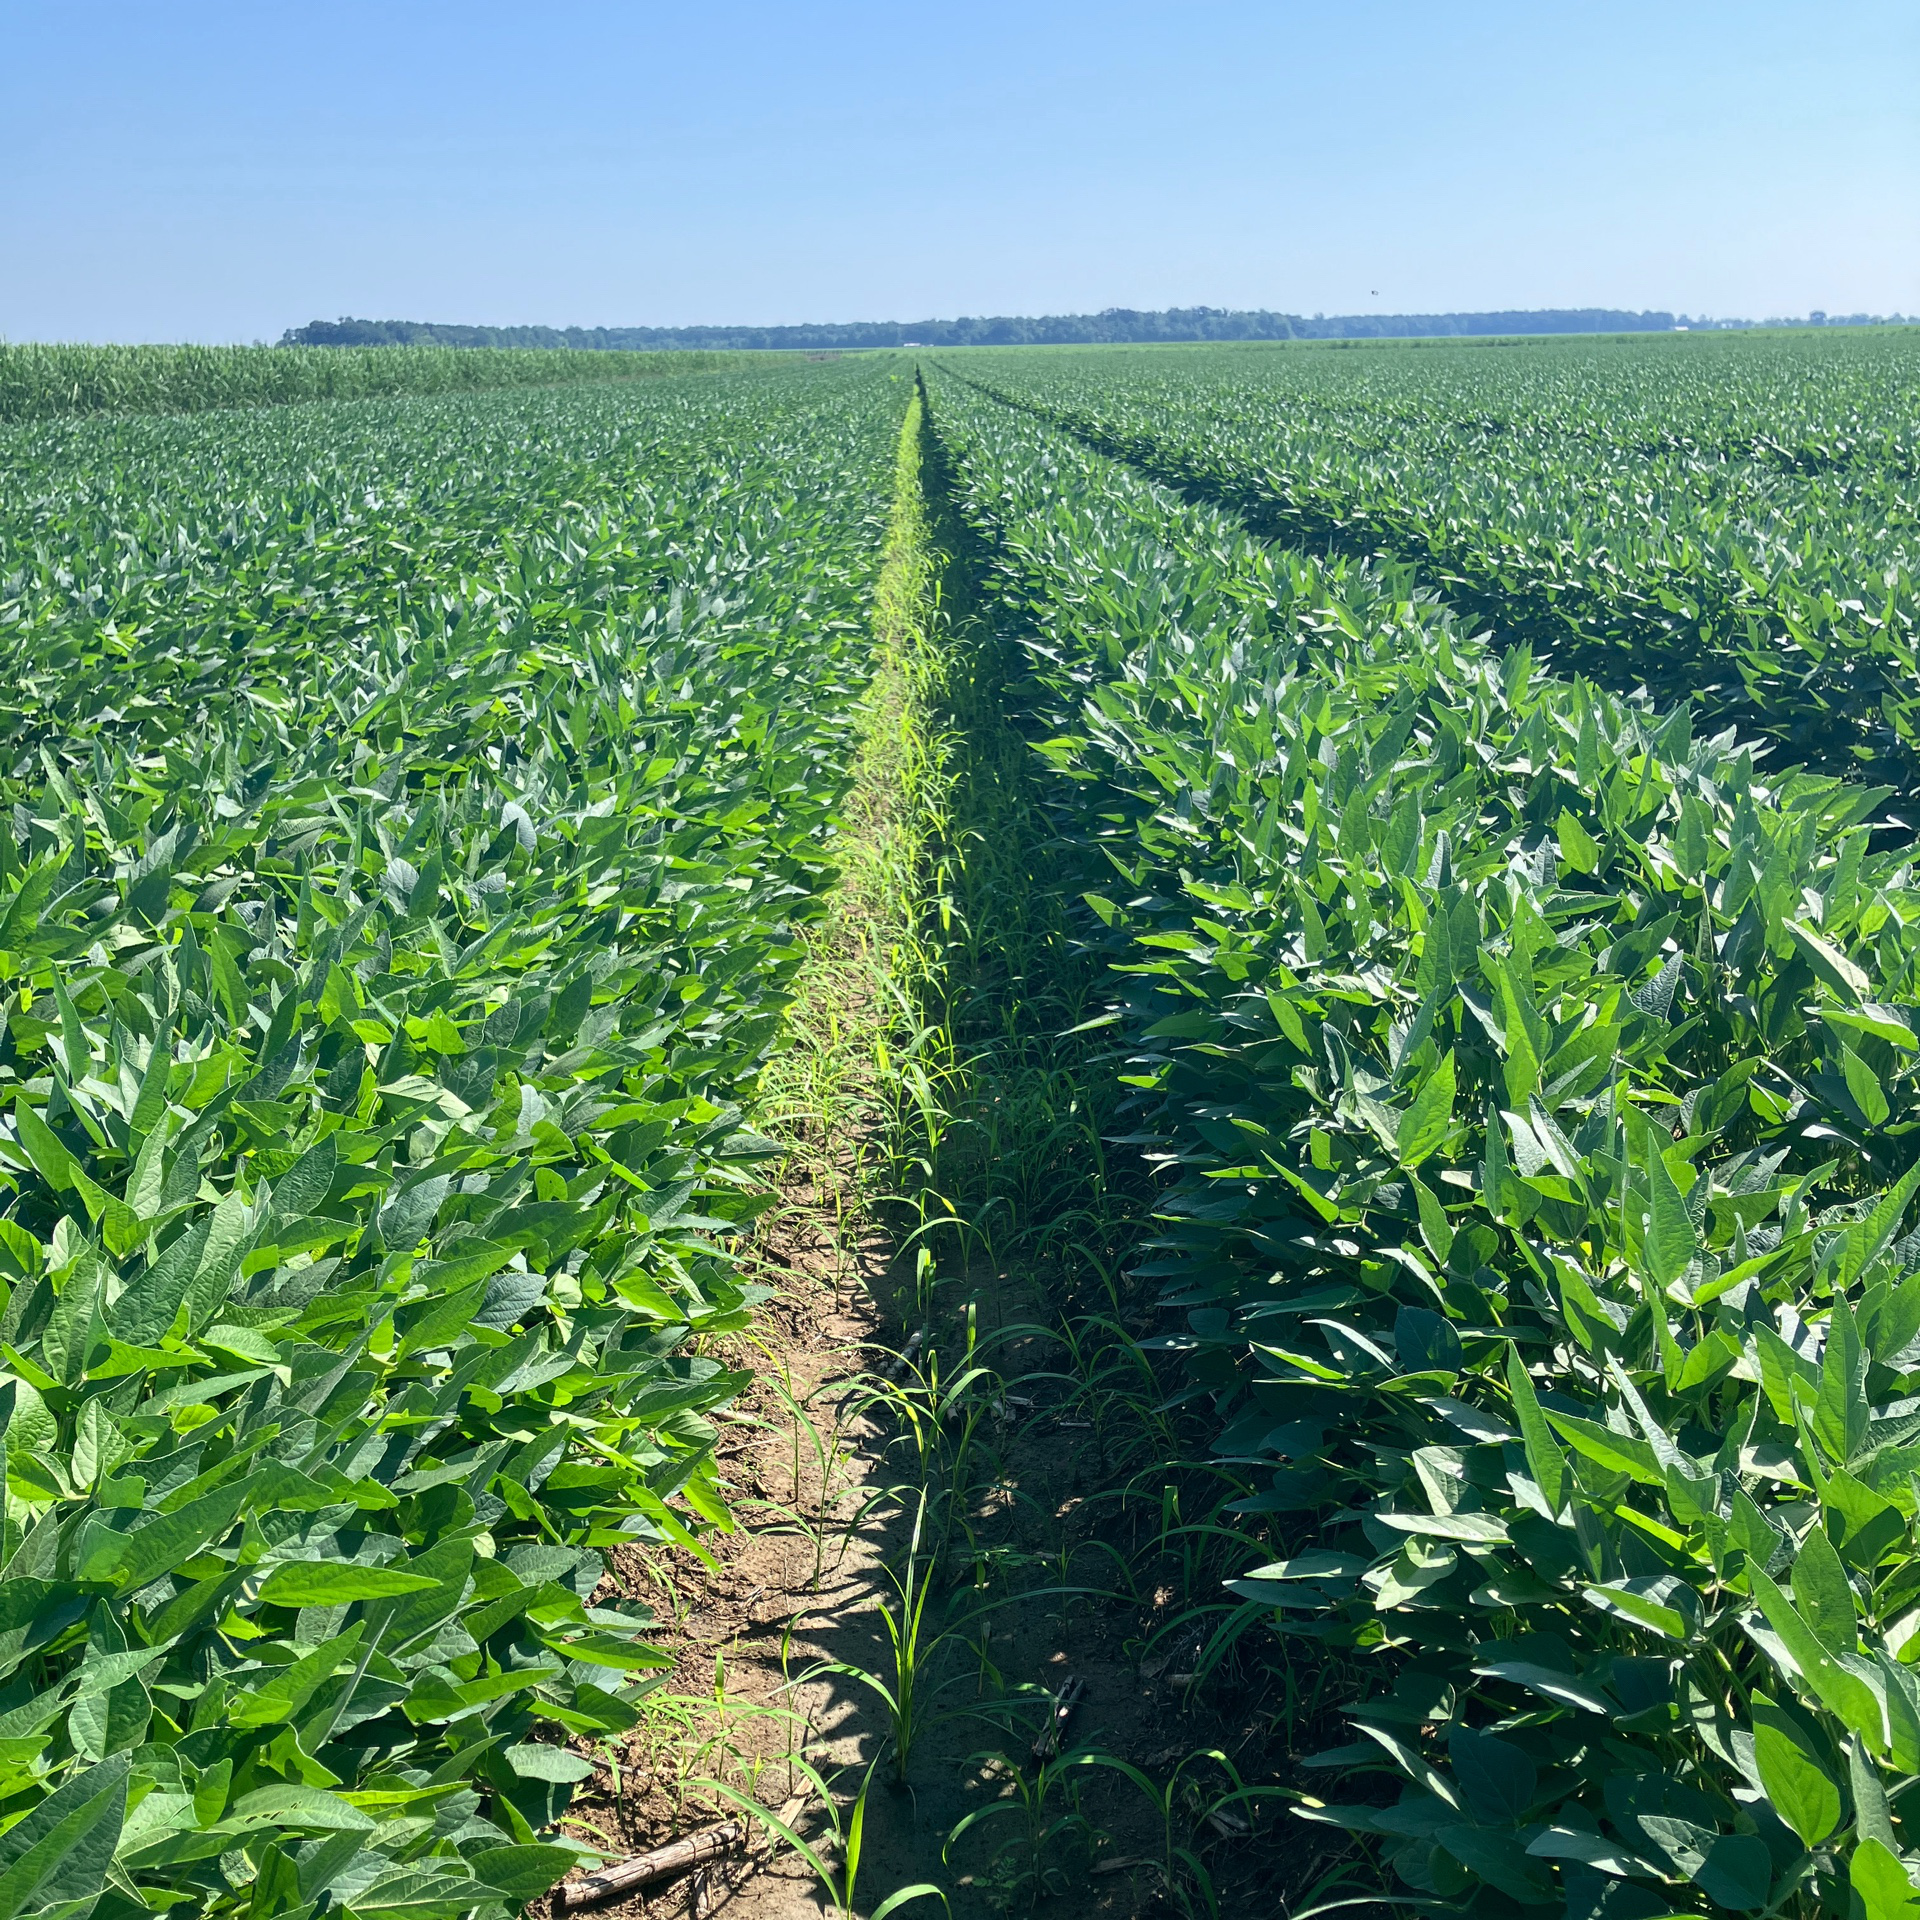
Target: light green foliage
point(410, 813)
point(49, 382)
point(1729, 521)
point(1534, 1084)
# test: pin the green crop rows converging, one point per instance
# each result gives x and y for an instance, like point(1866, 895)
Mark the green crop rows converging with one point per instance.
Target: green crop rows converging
point(1460, 802)
point(1741, 527)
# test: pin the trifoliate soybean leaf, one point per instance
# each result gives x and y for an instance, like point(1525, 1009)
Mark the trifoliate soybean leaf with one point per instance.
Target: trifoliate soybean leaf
point(28, 1424)
point(131, 1560)
point(1485, 1528)
point(473, 1261)
point(1655, 997)
point(1578, 848)
point(1590, 1849)
point(1880, 1882)
point(1551, 1683)
point(1822, 1594)
point(1866, 1240)
point(1684, 1843)
point(24, 906)
point(1872, 1816)
point(1671, 1240)
point(1318, 1563)
point(309, 1809)
point(1641, 1608)
point(44, 1148)
point(1864, 1088)
point(523, 1873)
point(265, 1700)
point(535, 1762)
point(1882, 1022)
point(1618, 1452)
point(102, 1672)
point(1840, 1414)
point(1863, 1527)
point(1737, 1872)
point(59, 1851)
point(1498, 1779)
point(1480, 1426)
point(1545, 1459)
point(605, 1650)
point(302, 1189)
point(1800, 1652)
point(1500, 1859)
point(509, 1299)
point(1903, 1711)
point(1424, 1342)
point(1851, 982)
point(407, 1215)
point(1417, 1566)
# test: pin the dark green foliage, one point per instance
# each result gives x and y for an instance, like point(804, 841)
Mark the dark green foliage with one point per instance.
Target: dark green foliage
point(1534, 1084)
point(1000, 330)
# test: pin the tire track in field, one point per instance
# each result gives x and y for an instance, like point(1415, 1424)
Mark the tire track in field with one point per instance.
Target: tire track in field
point(1620, 666)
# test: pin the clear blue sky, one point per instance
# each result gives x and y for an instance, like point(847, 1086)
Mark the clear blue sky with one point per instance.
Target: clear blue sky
point(191, 170)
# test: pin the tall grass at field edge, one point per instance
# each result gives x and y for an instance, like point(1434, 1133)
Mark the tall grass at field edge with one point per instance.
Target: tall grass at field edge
point(55, 382)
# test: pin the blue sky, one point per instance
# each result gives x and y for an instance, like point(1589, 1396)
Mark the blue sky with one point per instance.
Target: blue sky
point(219, 172)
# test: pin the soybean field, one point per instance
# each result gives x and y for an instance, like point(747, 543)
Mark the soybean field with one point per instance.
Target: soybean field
point(411, 810)
point(1103, 1132)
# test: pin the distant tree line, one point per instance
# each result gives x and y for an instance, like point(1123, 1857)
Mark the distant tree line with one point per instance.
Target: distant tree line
point(1117, 325)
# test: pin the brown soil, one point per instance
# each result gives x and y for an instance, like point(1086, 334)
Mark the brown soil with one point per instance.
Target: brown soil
point(774, 1626)
point(772, 1639)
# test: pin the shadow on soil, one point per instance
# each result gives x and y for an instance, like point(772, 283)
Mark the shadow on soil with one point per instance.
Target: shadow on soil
point(966, 1503)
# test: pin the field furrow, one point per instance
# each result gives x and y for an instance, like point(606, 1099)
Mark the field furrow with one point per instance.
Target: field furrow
point(1780, 604)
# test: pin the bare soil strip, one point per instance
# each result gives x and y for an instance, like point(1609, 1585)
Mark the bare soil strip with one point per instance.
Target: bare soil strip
point(934, 1607)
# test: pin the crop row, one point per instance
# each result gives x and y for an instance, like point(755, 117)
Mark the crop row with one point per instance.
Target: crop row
point(382, 990)
point(1785, 604)
point(1534, 1088)
point(51, 382)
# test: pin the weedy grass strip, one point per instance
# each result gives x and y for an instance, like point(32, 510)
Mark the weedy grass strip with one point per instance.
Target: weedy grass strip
point(832, 1090)
point(852, 1096)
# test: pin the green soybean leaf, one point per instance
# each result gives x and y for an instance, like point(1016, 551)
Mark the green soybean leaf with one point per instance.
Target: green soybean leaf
point(1498, 1780)
point(1578, 848)
point(1737, 1872)
point(1798, 1786)
point(1426, 1123)
point(1879, 1880)
point(333, 1583)
point(285, 1690)
point(56, 1857)
point(1823, 1595)
point(524, 1872)
point(1545, 1459)
point(1671, 1242)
